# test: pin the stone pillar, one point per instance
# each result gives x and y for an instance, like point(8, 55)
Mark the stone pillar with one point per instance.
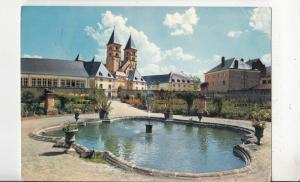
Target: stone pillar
point(203, 92)
point(49, 103)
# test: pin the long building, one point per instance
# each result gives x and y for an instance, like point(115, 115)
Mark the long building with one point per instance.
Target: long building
point(77, 73)
point(232, 74)
point(172, 82)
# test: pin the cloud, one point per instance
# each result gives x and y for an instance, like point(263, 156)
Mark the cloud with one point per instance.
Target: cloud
point(260, 20)
point(147, 50)
point(177, 54)
point(151, 59)
point(266, 59)
point(234, 34)
point(182, 24)
point(31, 56)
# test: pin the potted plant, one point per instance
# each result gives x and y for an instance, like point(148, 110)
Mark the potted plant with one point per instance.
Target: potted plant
point(70, 131)
point(76, 114)
point(168, 106)
point(258, 125)
point(103, 105)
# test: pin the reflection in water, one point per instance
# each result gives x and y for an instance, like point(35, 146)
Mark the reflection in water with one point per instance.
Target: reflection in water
point(148, 138)
point(128, 149)
point(170, 147)
point(168, 127)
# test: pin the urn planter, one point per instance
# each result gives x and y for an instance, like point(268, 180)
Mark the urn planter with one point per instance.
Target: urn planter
point(168, 115)
point(259, 133)
point(200, 115)
point(70, 137)
point(103, 114)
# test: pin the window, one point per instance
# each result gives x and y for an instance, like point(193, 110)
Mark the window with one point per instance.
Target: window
point(183, 85)
point(178, 85)
point(68, 83)
point(62, 83)
point(269, 81)
point(142, 79)
point(101, 86)
point(173, 80)
point(264, 81)
point(135, 78)
point(183, 81)
point(136, 88)
point(108, 74)
point(33, 82)
point(39, 82)
point(77, 84)
point(224, 82)
point(109, 86)
point(24, 81)
point(117, 54)
point(44, 82)
point(73, 83)
point(82, 84)
point(178, 80)
point(188, 81)
point(100, 73)
point(49, 83)
point(55, 83)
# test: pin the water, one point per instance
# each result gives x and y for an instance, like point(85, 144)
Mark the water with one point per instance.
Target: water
point(170, 147)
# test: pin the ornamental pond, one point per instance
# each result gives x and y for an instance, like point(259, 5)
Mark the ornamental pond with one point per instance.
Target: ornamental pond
point(170, 146)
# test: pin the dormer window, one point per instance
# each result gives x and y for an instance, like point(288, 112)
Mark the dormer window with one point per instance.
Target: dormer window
point(100, 74)
point(108, 74)
point(173, 80)
point(183, 81)
point(135, 78)
point(178, 80)
point(142, 79)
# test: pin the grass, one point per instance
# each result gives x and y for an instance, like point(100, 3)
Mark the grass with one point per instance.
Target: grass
point(96, 159)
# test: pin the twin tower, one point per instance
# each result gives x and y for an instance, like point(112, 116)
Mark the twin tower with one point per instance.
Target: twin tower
point(113, 55)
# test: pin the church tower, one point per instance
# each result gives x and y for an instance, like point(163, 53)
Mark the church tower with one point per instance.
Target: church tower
point(113, 53)
point(130, 53)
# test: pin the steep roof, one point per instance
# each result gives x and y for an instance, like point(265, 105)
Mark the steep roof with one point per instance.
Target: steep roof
point(113, 38)
point(53, 67)
point(167, 78)
point(251, 61)
point(64, 68)
point(155, 79)
point(97, 69)
point(130, 44)
point(135, 75)
point(229, 64)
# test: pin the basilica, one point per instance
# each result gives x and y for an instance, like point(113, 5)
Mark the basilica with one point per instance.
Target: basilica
point(116, 74)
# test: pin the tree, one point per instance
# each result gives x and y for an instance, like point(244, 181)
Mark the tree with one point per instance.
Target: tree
point(196, 82)
point(188, 97)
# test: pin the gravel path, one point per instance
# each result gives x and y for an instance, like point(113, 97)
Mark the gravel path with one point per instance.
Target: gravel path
point(42, 162)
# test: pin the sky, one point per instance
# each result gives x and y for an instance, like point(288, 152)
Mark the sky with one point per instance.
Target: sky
point(182, 39)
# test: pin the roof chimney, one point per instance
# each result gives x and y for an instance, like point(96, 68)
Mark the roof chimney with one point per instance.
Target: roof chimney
point(223, 61)
point(236, 64)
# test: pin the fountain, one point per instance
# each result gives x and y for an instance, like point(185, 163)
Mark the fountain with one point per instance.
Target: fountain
point(148, 103)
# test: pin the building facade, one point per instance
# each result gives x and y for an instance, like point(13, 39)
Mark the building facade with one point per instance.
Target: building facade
point(232, 74)
point(115, 74)
point(171, 82)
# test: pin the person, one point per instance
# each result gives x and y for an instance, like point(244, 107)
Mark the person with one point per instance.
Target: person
point(202, 98)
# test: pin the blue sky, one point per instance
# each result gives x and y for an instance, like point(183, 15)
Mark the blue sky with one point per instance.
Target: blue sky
point(188, 39)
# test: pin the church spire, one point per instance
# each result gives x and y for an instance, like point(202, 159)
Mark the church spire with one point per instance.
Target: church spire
point(113, 38)
point(78, 57)
point(130, 44)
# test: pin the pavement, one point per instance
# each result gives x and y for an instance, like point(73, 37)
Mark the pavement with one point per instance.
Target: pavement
point(42, 162)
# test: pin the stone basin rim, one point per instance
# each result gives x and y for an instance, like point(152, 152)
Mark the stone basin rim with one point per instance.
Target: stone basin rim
point(242, 150)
